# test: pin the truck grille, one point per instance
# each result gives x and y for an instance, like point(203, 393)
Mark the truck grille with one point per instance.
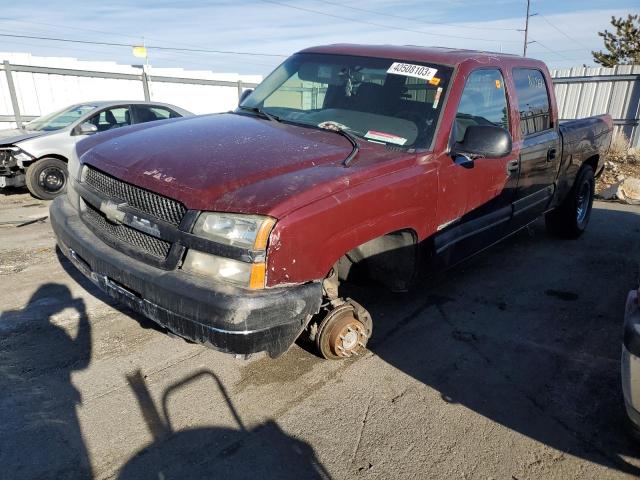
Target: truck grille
point(151, 245)
point(162, 208)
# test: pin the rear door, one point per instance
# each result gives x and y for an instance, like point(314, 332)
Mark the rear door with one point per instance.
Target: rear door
point(540, 152)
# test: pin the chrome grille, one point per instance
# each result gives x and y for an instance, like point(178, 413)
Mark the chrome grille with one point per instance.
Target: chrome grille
point(151, 245)
point(163, 208)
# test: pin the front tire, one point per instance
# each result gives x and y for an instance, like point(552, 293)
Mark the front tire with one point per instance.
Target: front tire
point(47, 178)
point(570, 219)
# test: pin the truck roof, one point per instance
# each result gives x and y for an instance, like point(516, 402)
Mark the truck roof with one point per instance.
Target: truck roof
point(440, 55)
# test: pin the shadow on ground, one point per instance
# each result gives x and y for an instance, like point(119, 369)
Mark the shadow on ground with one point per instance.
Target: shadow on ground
point(225, 453)
point(40, 434)
point(528, 335)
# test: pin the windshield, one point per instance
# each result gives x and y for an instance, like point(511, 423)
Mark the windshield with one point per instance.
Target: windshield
point(380, 100)
point(59, 119)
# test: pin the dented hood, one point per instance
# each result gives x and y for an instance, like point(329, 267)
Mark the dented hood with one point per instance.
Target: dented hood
point(205, 161)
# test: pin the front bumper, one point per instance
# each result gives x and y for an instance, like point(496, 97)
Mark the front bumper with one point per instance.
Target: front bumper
point(12, 180)
point(630, 371)
point(222, 316)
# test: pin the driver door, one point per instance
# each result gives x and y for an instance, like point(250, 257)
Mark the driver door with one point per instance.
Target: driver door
point(487, 186)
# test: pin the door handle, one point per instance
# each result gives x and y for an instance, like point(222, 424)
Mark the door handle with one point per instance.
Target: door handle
point(513, 166)
point(551, 154)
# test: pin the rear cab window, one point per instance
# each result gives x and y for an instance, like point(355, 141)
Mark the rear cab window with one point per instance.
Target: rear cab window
point(533, 100)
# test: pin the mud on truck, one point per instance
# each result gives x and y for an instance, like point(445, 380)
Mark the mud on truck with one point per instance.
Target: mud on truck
point(238, 230)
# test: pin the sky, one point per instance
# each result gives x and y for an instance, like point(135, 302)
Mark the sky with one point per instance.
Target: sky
point(563, 32)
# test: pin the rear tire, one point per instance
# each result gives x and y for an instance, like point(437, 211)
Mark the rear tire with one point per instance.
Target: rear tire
point(47, 178)
point(570, 219)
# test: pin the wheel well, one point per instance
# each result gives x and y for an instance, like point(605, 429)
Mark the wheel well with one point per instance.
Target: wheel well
point(592, 162)
point(52, 155)
point(390, 259)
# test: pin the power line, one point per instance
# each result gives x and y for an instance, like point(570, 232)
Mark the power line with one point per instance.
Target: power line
point(552, 51)
point(471, 27)
point(563, 33)
point(381, 25)
point(153, 47)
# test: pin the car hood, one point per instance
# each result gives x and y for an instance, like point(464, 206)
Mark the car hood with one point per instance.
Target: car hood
point(14, 135)
point(209, 162)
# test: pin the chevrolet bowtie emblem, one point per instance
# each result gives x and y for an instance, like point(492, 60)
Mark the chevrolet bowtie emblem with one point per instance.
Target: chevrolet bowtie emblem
point(112, 211)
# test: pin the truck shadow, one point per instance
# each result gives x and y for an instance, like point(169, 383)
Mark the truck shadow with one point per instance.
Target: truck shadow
point(264, 451)
point(527, 335)
point(40, 434)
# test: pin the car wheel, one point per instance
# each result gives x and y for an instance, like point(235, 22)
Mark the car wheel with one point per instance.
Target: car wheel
point(47, 178)
point(571, 218)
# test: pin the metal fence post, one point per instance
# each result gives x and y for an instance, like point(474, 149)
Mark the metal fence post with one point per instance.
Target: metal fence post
point(239, 89)
point(12, 94)
point(145, 86)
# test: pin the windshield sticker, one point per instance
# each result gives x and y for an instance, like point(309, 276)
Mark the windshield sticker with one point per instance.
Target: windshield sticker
point(498, 84)
point(385, 137)
point(435, 81)
point(411, 70)
point(436, 100)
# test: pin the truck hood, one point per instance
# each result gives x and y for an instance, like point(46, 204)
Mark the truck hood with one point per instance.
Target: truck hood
point(14, 135)
point(209, 162)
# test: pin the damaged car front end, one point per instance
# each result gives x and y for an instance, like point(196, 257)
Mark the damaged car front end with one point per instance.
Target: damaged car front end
point(201, 275)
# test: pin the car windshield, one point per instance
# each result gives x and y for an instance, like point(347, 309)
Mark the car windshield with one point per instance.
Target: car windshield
point(381, 100)
point(59, 119)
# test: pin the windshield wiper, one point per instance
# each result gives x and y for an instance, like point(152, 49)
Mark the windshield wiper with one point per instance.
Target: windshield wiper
point(261, 112)
point(355, 146)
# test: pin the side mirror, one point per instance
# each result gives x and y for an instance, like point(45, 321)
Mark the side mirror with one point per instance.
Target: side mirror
point(85, 129)
point(244, 95)
point(481, 141)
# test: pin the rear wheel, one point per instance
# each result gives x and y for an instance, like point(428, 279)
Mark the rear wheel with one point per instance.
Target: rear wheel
point(571, 218)
point(47, 178)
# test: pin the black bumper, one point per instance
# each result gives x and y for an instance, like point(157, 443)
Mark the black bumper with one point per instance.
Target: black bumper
point(222, 316)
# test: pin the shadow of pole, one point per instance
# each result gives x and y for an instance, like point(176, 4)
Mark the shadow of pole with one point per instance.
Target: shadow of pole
point(262, 452)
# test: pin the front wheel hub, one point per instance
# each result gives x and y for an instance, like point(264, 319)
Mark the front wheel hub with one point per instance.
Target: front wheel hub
point(344, 332)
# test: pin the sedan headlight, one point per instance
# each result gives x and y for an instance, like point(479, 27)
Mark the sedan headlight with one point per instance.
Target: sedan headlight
point(244, 231)
point(11, 156)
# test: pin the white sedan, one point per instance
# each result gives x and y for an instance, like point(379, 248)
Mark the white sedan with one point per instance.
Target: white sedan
point(36, 155)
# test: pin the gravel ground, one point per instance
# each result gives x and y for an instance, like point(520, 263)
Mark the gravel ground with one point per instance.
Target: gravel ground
point(506, 367)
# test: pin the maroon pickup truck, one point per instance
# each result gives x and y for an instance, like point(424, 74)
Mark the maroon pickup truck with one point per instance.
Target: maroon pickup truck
point(236, 230)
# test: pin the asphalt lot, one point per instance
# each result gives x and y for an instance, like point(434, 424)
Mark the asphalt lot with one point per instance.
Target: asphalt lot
point(506, 367)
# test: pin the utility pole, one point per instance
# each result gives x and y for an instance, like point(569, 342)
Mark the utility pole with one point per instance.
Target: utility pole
point(526, 29)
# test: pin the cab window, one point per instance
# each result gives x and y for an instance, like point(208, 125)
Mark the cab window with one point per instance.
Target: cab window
point(483, 102)
point(533, 100)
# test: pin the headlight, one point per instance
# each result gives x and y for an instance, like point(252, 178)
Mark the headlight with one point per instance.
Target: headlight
point(247, 231)
point(243, 274)
point(10, 156)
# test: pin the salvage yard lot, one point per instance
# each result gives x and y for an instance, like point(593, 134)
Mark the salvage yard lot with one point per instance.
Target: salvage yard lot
point(505, 367)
